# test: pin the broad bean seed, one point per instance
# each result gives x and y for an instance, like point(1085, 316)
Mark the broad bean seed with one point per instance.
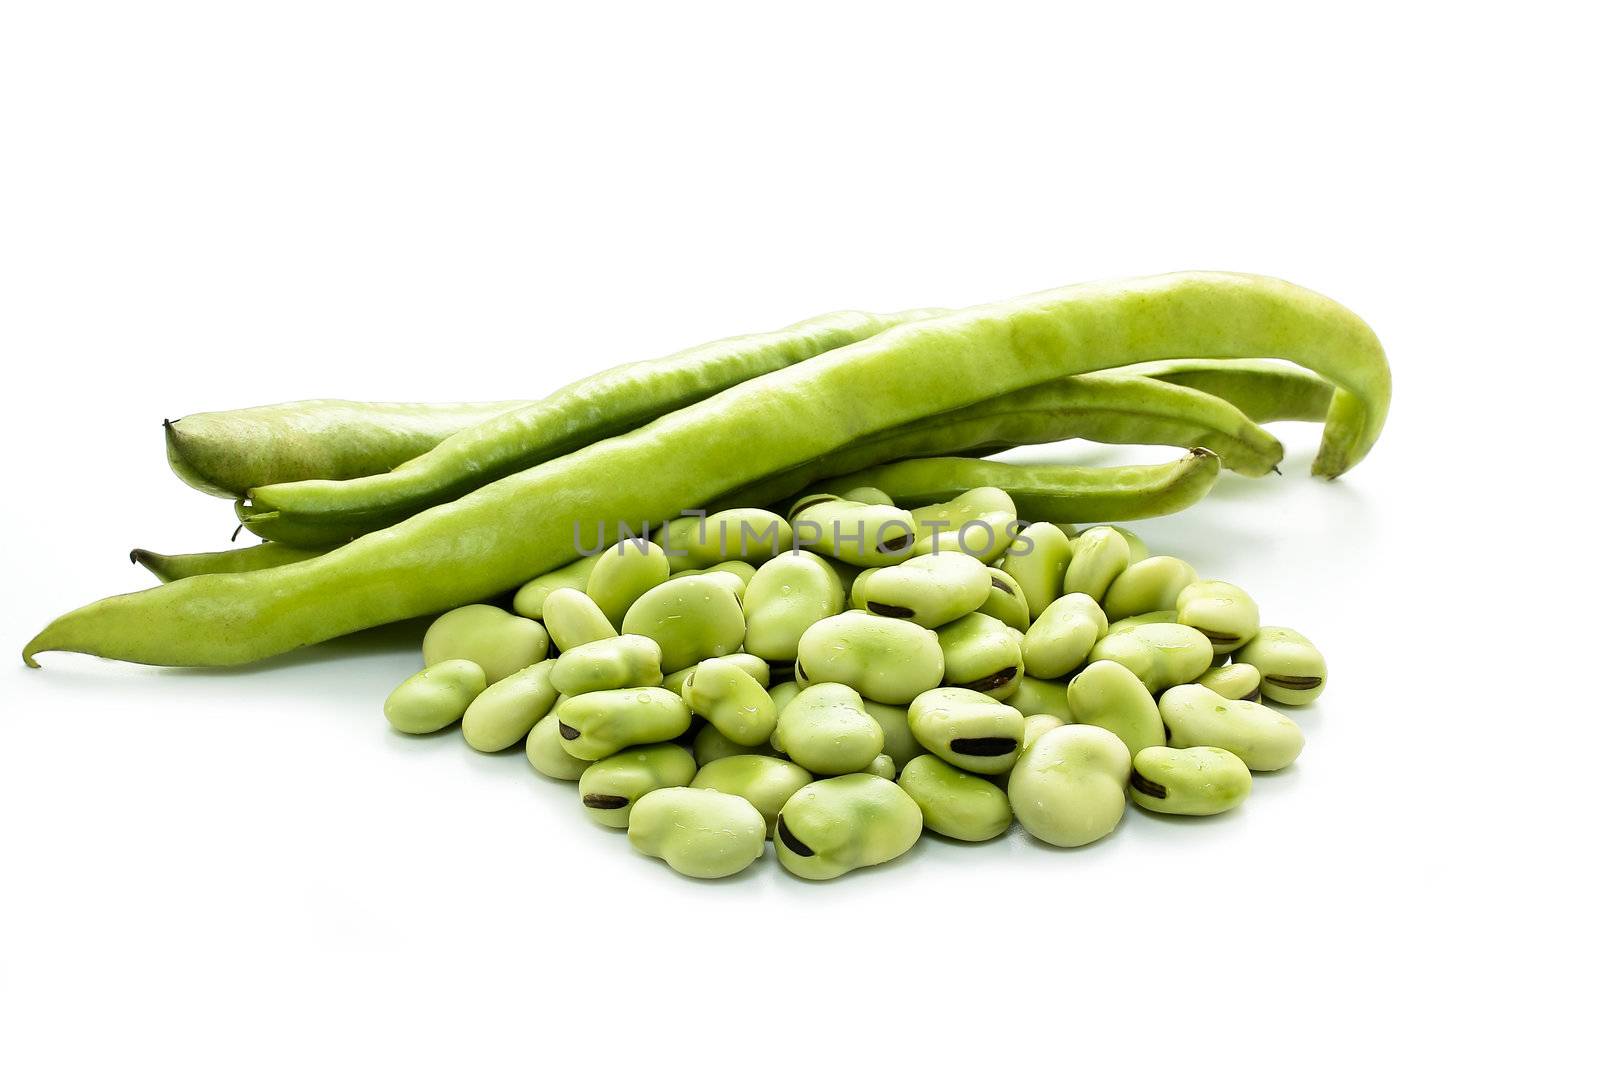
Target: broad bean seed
point(1038, 559)
point(882, 766)
point(1236, 681)
point(826, 730)
point(1222, 611)
point(1062, 636)
point(732, 701)
point(887, 660)
point(710, 746)
point(1145, 619)
point(928, 590)
point(899, 743)
point(1293, 672)
point(969, 730)
point(434, 697)
point(609, 788)
point(698, 832)
point(623, 573)
point(496, 640)
point(954, 803)
point(981, 653)
point(594, 725)
point(863, 535)
point(573, 619)
point(787, 595)
point(836, 825)
point(1068, 787)
point(530, 598)
point(765, 781)
point(625, 662)
point(1162, 654)
point(1006, 601)
point(546, 752)
point(1035, 696)
point(1265, 739)
point(1109, 695)
point(1099, 555)
point(1188, 781)
point(1152, 584)
point(749, 535)
point(754, 666)
point(502, 714)
point(692, 617)
point(979, 522)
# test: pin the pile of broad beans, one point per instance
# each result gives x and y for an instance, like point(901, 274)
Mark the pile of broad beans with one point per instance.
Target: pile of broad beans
point(840, 679)
point(862, 668)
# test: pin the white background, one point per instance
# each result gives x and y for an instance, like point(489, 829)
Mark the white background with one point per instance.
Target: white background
point(214, 205)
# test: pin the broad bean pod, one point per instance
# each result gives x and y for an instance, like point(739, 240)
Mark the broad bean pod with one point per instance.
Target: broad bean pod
point(498, 536)
point(1125, 409)
point(227, 561)
point(1263, 390)
point(1048, 492)
point(614, 401)
point(224, 453)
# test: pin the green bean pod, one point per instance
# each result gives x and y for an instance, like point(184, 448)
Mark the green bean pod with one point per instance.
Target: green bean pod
point(1048, 492)
point(614, 401)
point(493, 539)
point(224, 453)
